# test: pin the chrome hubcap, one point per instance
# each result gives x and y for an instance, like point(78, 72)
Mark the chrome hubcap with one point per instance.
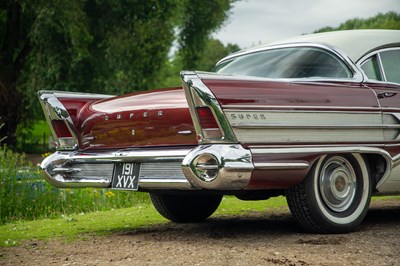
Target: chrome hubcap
point(337, 183)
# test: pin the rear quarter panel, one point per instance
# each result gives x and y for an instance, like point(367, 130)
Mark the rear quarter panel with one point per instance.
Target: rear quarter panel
point(267, 115)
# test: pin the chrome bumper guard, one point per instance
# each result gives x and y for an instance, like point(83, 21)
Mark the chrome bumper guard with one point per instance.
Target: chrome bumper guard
point(160, 169)
point(214, 167)
point(218, 167)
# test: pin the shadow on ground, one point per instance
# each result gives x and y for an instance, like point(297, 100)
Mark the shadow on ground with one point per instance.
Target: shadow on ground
point(256, 224)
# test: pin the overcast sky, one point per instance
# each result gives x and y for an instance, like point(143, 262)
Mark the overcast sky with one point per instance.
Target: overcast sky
point(252, 22)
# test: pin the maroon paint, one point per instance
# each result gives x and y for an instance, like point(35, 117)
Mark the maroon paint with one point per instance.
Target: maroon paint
point(276, 179)
point(146, 127)
point(280, 179)
point(272, 93)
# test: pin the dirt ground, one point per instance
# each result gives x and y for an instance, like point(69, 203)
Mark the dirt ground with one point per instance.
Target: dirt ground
point(253, 239)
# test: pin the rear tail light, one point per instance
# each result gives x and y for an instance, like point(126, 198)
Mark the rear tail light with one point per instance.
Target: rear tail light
point(61, 129)
point(209, 125)
point(64, 138)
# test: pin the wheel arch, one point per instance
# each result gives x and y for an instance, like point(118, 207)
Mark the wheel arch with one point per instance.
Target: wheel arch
point(378, 166)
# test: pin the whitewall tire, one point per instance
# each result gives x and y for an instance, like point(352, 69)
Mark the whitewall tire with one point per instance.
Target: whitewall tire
point(335, 195)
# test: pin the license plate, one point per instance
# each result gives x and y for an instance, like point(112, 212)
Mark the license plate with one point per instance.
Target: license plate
point(126, 176)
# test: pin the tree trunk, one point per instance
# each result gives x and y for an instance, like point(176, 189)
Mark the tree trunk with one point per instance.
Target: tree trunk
point(12, 58)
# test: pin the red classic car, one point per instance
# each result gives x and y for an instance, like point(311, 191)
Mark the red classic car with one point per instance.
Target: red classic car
point(315, 118)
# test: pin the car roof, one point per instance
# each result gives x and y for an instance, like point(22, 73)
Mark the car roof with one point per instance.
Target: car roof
point(354, 43)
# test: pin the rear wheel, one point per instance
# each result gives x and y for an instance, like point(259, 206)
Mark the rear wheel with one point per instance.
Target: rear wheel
point(335, 195)
point(185, 208)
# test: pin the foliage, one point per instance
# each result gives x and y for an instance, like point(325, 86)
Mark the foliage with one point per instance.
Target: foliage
point(389, 20)
point(24, 195)
point(35, 139)
point(1, 137)
point(214, 51)
point(200, 18)
point(14, 47)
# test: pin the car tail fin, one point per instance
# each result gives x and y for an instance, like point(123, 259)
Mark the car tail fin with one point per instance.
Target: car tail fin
point(208, 118)
point(62, 111)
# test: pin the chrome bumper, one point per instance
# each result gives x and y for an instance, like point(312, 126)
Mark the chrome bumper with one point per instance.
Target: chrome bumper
point(160, 169)
point(213, 167)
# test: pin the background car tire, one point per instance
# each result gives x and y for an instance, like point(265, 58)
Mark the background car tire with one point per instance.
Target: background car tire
point(335, 195)
point(185, 208)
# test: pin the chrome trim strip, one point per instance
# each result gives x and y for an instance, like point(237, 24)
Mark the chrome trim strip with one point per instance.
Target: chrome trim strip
point(165, 184)
point(381, 69)
point(197, 95)
point(185, 132)
point(286, 126)
point(282, 165)
point(66, 170)
point(294, 108)
point(319, 149)
point(137, 155)
point(203, 166)
point(223, 76)
point(79, 95)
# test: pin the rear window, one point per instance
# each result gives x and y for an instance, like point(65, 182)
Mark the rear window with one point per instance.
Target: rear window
point(294, 62)
point(391, 65)
point(384, 65)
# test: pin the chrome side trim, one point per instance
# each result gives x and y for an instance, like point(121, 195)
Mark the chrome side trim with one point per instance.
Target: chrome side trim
point(185, 132)
point(282, 165)
point(304, 108)
point(162, 184)
point(283, 126)
point(382, 70)
point(159, 168)
point(319, 149)
point(264, 126)
point(197, 95)
point(234, 167)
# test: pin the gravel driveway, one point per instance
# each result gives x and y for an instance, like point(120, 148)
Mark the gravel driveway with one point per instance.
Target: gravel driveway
point(251, 239)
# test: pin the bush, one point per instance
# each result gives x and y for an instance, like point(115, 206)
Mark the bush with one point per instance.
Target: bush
point(24, 195)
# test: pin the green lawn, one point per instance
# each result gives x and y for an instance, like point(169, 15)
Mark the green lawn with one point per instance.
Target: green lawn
point(77, 225)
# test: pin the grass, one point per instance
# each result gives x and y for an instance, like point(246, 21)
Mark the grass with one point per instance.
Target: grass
point(24, 195)
point(77, 225)
point(33, 139)
point(106, 222)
